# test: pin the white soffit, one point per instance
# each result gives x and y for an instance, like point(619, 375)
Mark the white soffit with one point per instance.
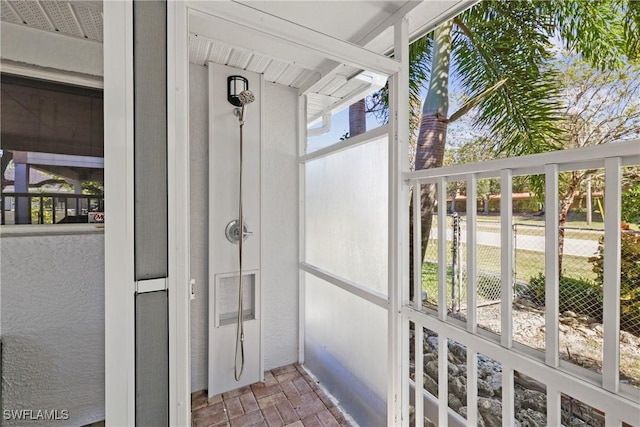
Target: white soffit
point(80, 19)
point(203, 50)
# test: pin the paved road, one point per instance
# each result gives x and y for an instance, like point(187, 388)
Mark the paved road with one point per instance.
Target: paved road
point(577, 247)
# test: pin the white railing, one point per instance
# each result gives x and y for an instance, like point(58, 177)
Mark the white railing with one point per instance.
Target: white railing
point(619, 402)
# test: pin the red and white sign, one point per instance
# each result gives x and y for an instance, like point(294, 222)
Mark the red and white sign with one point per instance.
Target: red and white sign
point(96, 216)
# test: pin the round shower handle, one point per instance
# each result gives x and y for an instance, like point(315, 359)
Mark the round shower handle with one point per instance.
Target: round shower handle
point(232, 231)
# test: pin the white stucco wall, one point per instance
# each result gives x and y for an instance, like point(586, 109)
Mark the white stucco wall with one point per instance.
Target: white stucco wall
point(280, 226)
point(279, 210)
point(52, 326)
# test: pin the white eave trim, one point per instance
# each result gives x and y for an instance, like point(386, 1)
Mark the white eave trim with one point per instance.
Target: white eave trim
point(50, 74)
point(44, 50)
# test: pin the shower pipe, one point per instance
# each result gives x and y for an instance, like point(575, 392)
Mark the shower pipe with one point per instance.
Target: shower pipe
point(245, 97)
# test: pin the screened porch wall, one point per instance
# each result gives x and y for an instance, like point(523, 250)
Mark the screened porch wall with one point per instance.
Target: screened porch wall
point(346, 214)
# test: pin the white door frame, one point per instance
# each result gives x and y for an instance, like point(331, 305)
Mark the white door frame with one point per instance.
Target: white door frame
point(118, 182)
point(119, 244)
point(179, 200)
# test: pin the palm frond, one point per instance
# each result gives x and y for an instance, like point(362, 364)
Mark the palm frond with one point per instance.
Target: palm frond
point(509, 40)
point(631, 28)
point(594, 29)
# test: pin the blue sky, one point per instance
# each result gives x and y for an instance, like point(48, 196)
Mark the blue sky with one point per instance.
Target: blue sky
point(339, 126)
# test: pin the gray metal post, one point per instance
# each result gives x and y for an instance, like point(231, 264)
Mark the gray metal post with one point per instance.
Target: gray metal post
point(455, 283)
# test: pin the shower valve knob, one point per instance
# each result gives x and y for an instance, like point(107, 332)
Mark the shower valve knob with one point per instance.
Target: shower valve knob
point(232, 231)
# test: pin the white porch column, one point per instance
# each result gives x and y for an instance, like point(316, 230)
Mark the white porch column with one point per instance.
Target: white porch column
point(118, 182)
point(398, 327)
point(77, 186)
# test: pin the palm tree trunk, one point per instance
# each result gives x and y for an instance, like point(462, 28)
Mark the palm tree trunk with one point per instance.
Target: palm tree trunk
point(433, 134)
point(357, 118)
point(430, 155)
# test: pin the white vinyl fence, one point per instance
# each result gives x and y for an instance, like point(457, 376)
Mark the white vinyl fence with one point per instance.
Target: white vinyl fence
point(450, 352)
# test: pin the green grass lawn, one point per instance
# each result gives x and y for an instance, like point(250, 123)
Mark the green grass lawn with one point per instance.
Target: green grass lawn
point(527, 264)
point(488, 285)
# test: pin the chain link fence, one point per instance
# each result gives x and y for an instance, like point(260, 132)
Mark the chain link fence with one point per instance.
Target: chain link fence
point(581, 266)
point(488, 262)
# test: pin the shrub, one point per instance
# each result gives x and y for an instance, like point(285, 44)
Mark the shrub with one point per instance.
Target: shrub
point(631, 204)
point(629, 276)
point(581, 296)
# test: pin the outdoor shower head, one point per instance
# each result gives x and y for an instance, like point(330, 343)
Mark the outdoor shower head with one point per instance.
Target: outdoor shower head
point(246, 97)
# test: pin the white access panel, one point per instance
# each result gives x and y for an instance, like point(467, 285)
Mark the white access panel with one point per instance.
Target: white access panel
point(223, 303)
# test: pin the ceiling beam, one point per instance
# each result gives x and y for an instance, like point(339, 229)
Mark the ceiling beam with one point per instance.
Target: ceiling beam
point(422, 20)
point(26, 45)
point(375, 32)
point(389, 22)
point(229, 34)
point(50, 74)
point(293, 34)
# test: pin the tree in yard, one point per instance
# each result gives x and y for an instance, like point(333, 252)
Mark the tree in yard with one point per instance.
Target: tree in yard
point(602, 106)
point(498, 54)
point(472, 151)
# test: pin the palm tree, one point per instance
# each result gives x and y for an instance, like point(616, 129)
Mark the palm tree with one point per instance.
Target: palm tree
point(498, 53)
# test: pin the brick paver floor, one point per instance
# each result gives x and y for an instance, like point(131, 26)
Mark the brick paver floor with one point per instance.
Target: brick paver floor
point(287, 397)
